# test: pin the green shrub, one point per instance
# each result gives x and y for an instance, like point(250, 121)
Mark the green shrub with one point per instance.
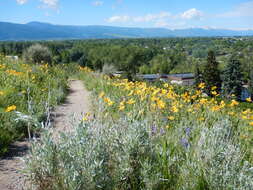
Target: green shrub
point(37, 54)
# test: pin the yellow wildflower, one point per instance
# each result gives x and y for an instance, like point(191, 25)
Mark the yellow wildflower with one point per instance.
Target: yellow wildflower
point(166, 85)
point(198, 92)
point(234, 103)
point(101, 95)
point(251, 123)
point(194, 97)
point(153, 98)
point(160, 104)
point(10, 108)
point(244, 117)
point(131, 101)
point(86, 117)
point(171, 118)
point(247, 111)
point(167, 126)
point(222, 104)
point(174, 109)
point(215, 108)
point(1, 93)
point(214, 88)
point(202, 85)
point(203, 101)
point(12, 72)
point(108, 101)
point(248, 99)
point(122, 105)
point(214, 93)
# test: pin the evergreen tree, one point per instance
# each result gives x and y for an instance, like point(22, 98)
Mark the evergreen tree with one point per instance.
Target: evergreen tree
point(251, 83)
point(211, 73)
point(232, 83)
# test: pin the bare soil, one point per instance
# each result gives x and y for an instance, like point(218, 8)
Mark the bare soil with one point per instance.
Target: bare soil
point(71, 112)
point(11, 165)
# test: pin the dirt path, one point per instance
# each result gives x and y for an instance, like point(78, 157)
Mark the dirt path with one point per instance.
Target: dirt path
point(72, 111)
point(11, 177)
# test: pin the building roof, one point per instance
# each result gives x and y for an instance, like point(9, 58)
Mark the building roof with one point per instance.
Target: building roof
point(174, 76)
point(149, 76)
point(182, 75)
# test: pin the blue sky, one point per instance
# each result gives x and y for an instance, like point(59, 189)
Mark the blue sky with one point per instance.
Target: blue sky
point(173, 14)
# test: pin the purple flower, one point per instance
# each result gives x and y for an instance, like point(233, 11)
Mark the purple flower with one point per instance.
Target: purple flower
point(185, 142)
point(162, 131)
point(153, 130)
point(188, 131)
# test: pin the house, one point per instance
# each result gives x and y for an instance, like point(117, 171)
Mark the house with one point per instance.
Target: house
point(12, 57)
point(181, 79)
point(186, 79)
point(118, 73)
point(149, 77)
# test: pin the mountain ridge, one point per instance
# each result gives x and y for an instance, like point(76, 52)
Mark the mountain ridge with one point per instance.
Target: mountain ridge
point(46, 31)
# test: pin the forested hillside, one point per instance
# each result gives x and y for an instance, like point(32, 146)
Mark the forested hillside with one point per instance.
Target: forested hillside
point(171, 55)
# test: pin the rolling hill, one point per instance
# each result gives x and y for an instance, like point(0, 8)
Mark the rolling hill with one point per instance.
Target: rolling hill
point(46, 31)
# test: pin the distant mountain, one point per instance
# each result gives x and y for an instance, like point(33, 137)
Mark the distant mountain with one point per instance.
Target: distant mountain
point(46, 31)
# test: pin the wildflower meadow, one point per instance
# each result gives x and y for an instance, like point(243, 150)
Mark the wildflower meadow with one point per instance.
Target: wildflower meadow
point(146, 136)
point(27, 95)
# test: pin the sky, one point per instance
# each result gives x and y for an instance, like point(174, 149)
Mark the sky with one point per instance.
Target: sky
point(172, 14)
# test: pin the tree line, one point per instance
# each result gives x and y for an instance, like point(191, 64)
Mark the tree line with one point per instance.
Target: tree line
point(164, 56)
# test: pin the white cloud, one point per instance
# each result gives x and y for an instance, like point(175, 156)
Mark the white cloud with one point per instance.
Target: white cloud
point(145, 18)
point(53, 4)
point(192, 14)
point(97, 3)
point(242, 10)
point(152, 17)
point(163, 19)
point(21, 2)
point(121, 19)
